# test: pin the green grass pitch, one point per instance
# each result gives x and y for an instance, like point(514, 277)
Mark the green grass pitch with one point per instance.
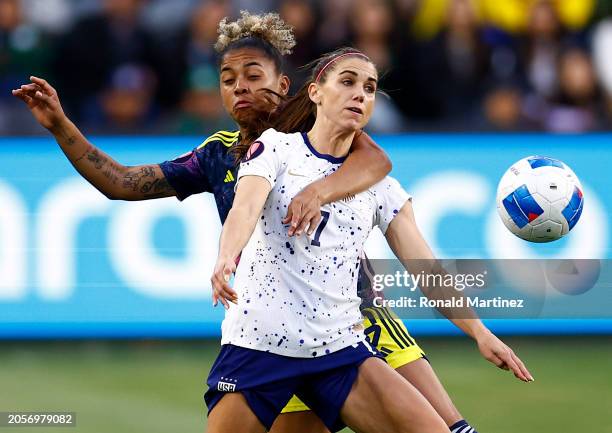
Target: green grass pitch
point(155, 387)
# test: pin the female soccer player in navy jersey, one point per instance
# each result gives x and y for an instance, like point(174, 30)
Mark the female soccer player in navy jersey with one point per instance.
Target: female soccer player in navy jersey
point(251, 59)
point(295, 328)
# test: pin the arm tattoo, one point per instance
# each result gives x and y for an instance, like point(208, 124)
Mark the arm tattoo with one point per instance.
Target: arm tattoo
point(157, 188)
point(132, 178)
point(98, 160)
point(147, 182)
point(111, 173)
point(83, 155)
point(65, 136)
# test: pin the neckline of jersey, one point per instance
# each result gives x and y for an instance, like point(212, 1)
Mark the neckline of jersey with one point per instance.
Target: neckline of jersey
point(330, 158)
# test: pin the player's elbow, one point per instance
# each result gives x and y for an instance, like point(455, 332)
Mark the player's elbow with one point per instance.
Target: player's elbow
point(245, 213)
point(114, 195)
point(385, 163)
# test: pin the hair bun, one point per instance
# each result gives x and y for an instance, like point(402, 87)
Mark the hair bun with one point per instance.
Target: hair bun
point(269, 27)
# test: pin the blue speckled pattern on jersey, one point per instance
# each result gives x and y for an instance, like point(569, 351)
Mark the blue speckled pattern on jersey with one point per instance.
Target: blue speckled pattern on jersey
point(207, 168)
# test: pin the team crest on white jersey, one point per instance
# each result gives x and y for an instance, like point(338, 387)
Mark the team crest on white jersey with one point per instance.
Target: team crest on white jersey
point(254, 151)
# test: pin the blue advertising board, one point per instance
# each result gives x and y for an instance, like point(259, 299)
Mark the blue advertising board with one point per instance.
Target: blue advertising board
point(75, 264)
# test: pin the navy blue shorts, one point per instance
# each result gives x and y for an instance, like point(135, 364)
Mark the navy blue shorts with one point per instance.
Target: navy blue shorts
point(267, 380)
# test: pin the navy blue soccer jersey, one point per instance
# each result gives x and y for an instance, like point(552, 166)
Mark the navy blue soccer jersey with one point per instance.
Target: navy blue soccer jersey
point(207, 168)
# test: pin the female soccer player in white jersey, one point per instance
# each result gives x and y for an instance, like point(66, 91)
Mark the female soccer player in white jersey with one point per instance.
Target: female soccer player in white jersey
point(250, 50)
point(296, 325)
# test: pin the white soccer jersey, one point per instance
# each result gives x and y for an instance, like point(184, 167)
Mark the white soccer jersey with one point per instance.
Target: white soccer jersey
point(298, 296)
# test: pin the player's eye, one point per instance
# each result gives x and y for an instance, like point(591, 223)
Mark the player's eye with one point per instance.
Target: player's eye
point(254, 77)
point(228, 82)
point(347, 82)
point(370, 89)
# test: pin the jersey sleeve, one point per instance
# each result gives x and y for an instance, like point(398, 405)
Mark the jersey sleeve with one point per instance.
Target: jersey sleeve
point(390, 198)
point(186, 174)
point(262, 158)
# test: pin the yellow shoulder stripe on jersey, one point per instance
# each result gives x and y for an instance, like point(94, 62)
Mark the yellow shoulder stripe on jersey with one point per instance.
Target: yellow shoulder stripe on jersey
point(229, 134)
point(226, 137)
point(225, 140)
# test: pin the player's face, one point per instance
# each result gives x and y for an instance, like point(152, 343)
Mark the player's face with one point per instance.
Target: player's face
point(244, 72)
point(348, 94)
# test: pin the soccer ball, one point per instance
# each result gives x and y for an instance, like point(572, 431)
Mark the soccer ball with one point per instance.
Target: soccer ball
point(539, 199)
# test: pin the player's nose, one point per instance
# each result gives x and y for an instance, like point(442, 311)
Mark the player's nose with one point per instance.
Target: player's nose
point(240, 87)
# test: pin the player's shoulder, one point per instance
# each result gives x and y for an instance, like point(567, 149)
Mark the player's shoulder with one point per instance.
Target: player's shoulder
point(224, 139)
point(280, 141)
point(275, 137)
point(389, 185)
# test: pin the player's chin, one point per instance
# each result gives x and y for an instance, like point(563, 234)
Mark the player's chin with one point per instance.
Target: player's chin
point(354, 124)
point(244, 115)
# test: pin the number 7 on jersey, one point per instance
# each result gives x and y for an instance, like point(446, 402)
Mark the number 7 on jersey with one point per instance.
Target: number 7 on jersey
point(322, 224)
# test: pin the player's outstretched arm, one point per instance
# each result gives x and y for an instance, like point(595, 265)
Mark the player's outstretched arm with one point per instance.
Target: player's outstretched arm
point(412, 250)
point(114, 180)
point(366, 165)
point(251, 195)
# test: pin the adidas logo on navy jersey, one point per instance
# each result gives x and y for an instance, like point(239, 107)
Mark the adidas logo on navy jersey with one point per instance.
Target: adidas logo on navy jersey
point(229, 177)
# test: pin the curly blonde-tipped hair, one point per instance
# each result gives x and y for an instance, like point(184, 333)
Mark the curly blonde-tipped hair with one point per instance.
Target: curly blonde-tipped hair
point(269, 27)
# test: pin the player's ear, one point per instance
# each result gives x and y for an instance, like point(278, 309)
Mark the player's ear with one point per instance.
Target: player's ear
point(314, 93)
point(284, 84)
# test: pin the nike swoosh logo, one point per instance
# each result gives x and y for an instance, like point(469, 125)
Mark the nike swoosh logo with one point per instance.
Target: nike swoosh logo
point(293, 173)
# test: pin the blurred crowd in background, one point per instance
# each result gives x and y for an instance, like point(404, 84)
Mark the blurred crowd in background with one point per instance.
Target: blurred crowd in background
point(148, 66)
